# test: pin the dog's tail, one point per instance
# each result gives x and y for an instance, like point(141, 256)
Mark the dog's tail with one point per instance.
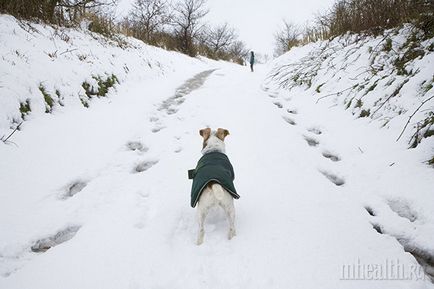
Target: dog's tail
point(218, 191)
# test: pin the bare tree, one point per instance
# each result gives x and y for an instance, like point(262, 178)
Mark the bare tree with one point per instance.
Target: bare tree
point(238, 52)
point(220, 38)
point(149, 17)
point(187, 23)
point(54, 11)
point(286, 38)
point(373, 16)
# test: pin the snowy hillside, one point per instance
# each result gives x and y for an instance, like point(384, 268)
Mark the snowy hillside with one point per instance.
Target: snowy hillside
point(97, 196)
point(44, 69)
point(387, 79)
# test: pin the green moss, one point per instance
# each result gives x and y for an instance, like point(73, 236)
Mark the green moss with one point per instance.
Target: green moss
point(398, 88)
point(25, 108)
point(372, 87)
point(427, 123)
point(318, 88)
point(427, 87)
point(101, 89)
point(349, 104)
point(103, 86)
point(388, 45)
point(365, 113)
point(431, 161)
point(360, 87)
point(309, 83)
point(84, 103)
point(49, 102)
point(409, 55)
point(88, 89)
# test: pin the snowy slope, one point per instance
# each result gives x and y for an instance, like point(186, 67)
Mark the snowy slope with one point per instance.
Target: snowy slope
point(387, 79)
point(106, 189)
point(62, 62)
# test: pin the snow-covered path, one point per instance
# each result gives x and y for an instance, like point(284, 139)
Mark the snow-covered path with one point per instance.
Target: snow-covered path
point(118, 173)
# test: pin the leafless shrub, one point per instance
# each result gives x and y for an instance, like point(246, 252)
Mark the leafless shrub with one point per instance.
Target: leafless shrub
point(286, 38)
point(187, 24)
point(371, 16)
point(62, 12)
point(148, 19)
point(238, 52)
point(219, 39)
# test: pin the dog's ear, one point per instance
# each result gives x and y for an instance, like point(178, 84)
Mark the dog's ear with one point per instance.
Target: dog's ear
point(205, 133)
point(222, 133)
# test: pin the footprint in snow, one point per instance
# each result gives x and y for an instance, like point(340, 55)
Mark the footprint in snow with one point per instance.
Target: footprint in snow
point(137, 146)
point(402, 208)
point(424, 257)
point(315, 130)
point(272, 95)
point(142, 199)
point(338, 181)
point(278, 104)
point(145, 165)
point(370, 211)
point(331, 156)
point(292, 111)
point(60, 237)
point(157, 128)
point(377, 228)
point(178, 150)
point(311, 141)
point(73, 188)
point(289, 120)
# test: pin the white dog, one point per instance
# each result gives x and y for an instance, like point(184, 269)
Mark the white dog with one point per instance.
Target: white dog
point(212, 181)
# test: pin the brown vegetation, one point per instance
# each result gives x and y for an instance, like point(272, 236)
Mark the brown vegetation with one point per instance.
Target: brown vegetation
point(176, 25)
point(359, 16)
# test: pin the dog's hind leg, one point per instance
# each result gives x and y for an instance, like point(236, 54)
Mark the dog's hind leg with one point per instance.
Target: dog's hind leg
point(230, 213)
point(201, 234)
point(203, 207)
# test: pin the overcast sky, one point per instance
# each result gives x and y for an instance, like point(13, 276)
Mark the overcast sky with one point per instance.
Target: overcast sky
point(257, 20)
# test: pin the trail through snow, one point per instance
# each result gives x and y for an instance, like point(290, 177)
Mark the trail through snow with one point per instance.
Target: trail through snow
point(116, 175)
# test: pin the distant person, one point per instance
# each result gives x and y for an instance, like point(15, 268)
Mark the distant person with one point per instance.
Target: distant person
point(252, 60)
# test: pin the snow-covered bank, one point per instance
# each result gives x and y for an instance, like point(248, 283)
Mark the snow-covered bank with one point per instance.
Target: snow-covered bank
point(120, 215)
point(386, 79)
point(99, 197)
point(61, 146)
point(386, 83)
point(47, 69)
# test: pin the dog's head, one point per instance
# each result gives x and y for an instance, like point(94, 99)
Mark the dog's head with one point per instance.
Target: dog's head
point(213, 141)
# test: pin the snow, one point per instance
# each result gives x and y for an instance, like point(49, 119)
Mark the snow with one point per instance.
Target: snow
point(117, 171)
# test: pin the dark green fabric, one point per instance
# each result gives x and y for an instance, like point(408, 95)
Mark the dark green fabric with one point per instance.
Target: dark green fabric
point(212, 167)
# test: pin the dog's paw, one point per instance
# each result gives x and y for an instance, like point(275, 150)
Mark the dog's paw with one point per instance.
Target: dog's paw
point(232, 233)
point(200, 238)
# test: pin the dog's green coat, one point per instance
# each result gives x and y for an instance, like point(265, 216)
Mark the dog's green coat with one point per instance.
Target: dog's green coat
point(212, 167)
